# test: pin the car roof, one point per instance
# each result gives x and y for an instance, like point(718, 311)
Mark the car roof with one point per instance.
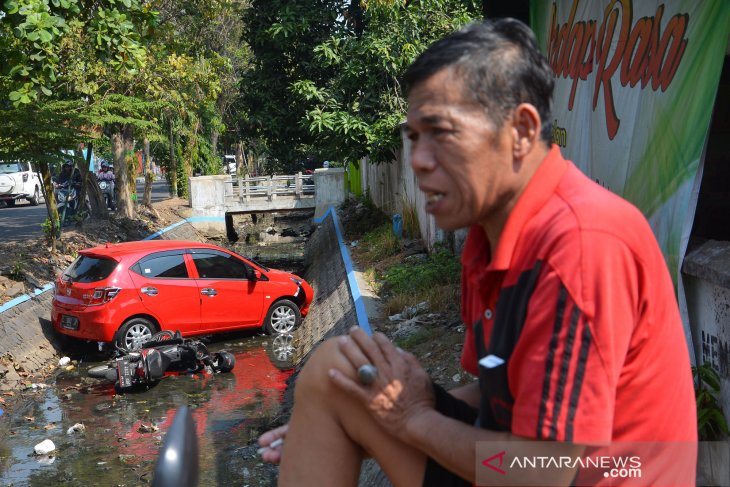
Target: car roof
point(141, 247)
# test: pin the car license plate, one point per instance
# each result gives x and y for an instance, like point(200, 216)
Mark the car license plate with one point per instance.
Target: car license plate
point(69, 322)
point(125, 371)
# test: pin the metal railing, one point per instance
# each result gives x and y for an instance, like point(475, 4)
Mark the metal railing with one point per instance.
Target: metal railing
point(298, 185)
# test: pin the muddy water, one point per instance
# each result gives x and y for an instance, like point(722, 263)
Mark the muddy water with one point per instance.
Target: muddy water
point(118, 446)
point(123, 433)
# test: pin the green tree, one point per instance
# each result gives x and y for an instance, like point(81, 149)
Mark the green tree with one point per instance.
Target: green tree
point(282, 35)
point(325, 76)
point(358, 111)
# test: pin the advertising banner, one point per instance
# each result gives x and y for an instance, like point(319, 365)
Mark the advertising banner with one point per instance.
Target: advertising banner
point(635, 87)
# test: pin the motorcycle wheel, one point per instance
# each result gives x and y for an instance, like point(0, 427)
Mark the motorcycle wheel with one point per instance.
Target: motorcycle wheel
point(163, 335)
point(223, 361)
point(103, 372)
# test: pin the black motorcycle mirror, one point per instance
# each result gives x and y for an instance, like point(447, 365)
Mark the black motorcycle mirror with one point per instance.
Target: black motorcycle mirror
point(177, 465)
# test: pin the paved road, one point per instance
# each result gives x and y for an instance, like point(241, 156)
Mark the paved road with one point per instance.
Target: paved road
point(24, 221)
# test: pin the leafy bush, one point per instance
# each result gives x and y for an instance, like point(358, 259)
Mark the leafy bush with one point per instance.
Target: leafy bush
point(711, 424)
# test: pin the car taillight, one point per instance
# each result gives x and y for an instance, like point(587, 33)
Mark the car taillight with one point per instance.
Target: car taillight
point(101, 295)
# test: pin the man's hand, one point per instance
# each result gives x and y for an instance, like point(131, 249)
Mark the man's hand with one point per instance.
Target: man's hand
point(402, 389)
point(271, 443)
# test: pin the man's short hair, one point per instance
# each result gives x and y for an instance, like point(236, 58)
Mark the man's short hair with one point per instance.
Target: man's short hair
point(501, 66)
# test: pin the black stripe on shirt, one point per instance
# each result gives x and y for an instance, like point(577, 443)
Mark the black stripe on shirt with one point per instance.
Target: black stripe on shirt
point(564, 369)
point(560, 311)
point(580, 370)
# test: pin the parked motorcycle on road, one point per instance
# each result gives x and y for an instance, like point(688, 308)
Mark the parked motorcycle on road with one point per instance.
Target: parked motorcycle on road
point(164, 353)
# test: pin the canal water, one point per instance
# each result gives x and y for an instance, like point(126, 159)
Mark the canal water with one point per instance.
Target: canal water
point(123, 433)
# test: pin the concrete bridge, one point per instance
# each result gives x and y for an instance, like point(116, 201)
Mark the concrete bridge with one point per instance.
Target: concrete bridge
point(214, 199)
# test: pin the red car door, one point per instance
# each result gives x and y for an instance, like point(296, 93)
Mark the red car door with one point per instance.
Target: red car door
point(228, 298)
point(167, 290)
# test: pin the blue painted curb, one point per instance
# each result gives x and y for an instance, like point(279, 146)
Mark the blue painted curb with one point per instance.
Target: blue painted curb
point(362, 316)
point(25, 297)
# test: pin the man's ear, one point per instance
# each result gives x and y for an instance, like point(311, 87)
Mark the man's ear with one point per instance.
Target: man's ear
point(526, 127)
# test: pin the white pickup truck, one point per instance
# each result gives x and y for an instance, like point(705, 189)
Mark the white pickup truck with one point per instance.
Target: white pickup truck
point(18, 180)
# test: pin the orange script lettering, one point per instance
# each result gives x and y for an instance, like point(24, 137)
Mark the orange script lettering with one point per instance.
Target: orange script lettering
point(641, 52)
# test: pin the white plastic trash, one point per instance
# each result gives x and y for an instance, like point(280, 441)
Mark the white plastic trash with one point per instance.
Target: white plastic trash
point(77, 428)
point(44, 447)
point(64, 361)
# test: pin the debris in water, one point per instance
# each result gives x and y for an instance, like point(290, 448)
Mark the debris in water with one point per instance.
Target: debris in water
point(44, 447)
point(64, 361)
point(148, 428)
point(77, 428)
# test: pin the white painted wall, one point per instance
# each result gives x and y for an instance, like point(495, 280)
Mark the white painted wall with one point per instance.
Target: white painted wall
point(329, 190)
point(390, 185)
point(708, 307)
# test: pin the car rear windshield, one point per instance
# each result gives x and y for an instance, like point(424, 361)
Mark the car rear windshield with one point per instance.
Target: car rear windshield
point(89, 269)
point(11, 167)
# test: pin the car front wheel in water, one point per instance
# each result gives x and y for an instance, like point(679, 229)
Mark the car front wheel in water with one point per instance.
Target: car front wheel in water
point(283, 317)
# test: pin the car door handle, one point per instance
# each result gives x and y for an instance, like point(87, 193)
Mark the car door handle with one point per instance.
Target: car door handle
point(149, 291)
point(209, 291)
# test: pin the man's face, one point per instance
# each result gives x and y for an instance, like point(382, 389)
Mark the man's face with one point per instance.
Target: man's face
point(463, 164)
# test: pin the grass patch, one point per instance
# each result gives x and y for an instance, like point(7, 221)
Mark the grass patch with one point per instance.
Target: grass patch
point(378, 244)
point(436, 280)
point(411, 226)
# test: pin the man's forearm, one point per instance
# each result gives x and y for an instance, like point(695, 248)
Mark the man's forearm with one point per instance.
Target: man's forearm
point(468, 393)
point(452, 444)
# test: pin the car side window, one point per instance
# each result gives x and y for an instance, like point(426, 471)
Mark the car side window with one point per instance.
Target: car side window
point(219, 266)
point(162, 266)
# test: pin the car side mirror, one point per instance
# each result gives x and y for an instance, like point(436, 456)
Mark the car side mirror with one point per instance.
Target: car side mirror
point(253, 274)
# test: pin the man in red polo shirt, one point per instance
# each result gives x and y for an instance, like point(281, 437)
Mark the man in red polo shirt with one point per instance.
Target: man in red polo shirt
point(572, 324)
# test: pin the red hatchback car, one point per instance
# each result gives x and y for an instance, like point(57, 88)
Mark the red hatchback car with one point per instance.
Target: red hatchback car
point(126, 292)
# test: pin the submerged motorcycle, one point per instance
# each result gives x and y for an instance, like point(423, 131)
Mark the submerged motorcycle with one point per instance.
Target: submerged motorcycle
point(165, 352)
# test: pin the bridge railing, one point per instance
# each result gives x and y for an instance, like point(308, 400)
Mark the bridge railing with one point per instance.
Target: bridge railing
point(269, 187)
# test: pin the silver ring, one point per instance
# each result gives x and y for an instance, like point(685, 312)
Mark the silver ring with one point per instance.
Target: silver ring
point(367, 374)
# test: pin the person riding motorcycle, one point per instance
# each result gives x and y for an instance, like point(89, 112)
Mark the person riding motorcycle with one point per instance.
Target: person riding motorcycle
point(106, 175)
point(68, 174)
point(65, 189)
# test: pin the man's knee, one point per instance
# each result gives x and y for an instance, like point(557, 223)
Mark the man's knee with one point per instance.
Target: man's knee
point(314, 375)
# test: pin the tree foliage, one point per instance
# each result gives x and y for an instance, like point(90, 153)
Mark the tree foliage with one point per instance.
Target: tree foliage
point(331, 88)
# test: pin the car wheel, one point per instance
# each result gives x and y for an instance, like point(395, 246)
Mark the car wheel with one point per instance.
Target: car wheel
point(10, 203)
point(135, 333)
point(283, 317)
point(35, 198)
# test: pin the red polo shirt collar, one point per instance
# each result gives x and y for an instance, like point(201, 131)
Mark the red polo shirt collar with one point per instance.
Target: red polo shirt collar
point(533, 198)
